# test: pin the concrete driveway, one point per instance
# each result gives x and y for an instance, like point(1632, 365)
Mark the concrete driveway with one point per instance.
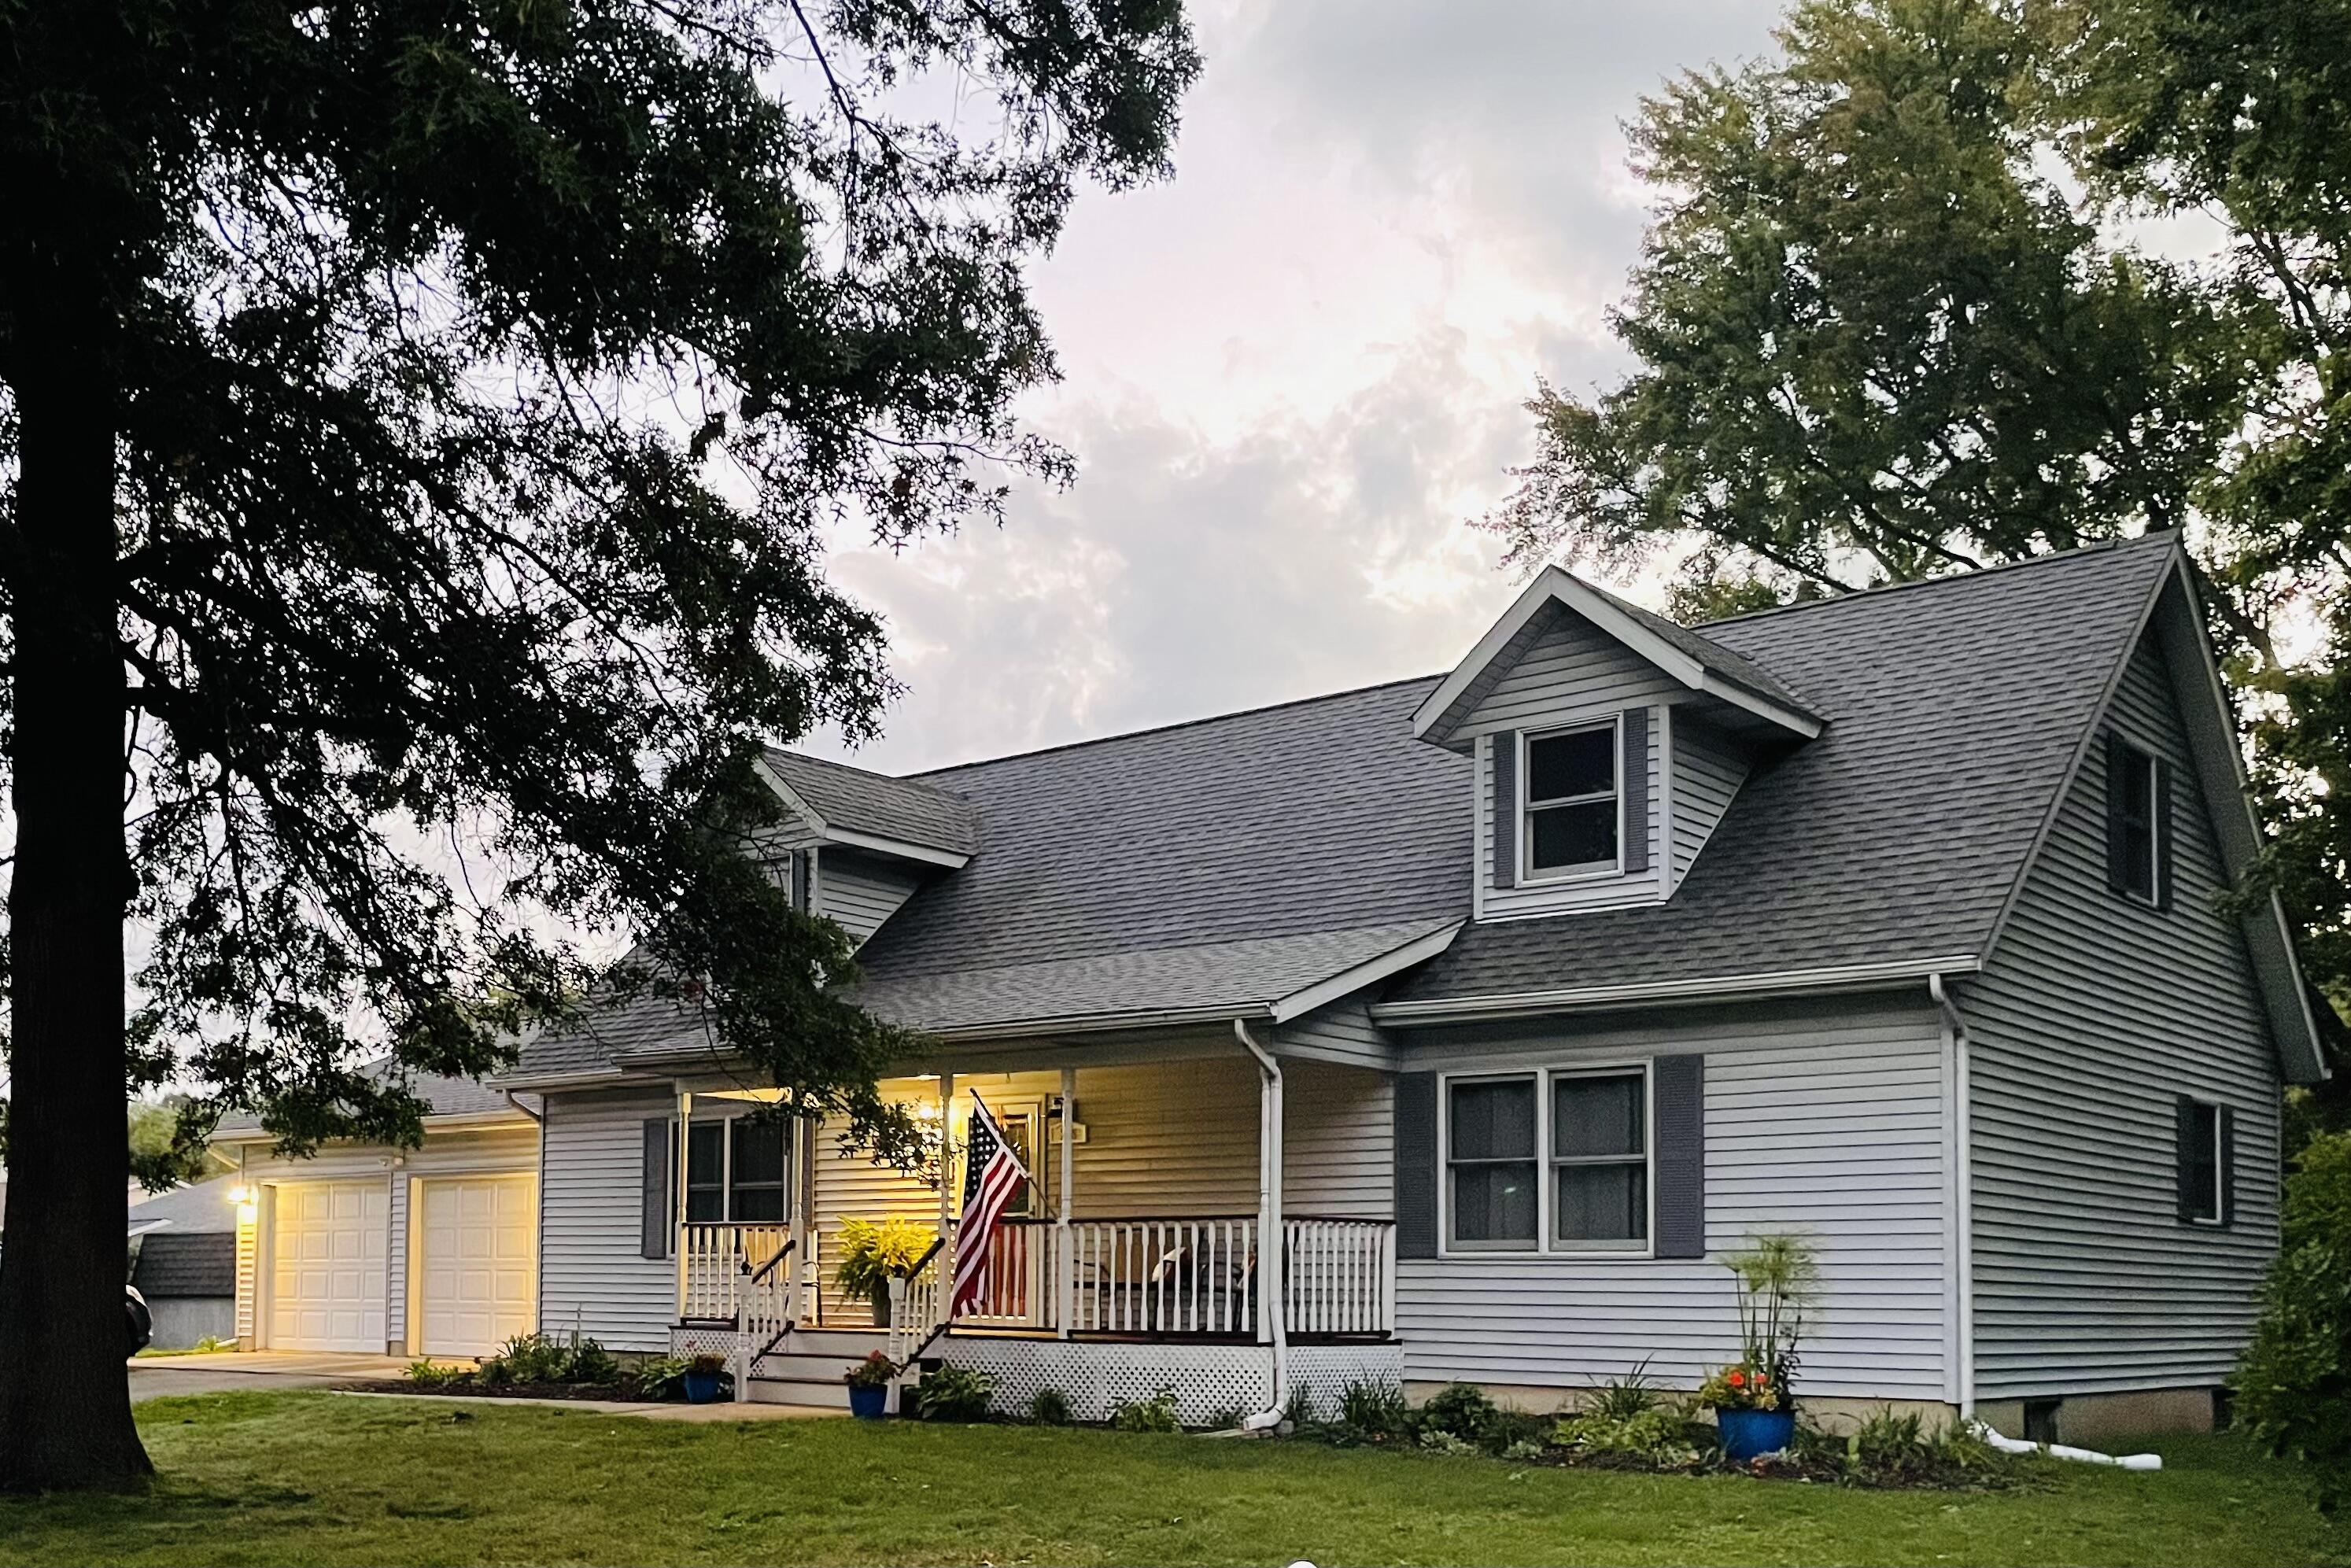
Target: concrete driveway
point(222, 1372)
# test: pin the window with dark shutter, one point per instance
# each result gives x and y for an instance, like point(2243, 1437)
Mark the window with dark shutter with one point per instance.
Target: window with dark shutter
point(1490, 1163)
point(653, 1211)
point(1571, 810)
point(1416, 1165)
point(1505, 750)
point(1678, 1083)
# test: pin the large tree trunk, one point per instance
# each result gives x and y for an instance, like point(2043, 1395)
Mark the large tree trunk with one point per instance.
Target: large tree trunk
point(65, 1403)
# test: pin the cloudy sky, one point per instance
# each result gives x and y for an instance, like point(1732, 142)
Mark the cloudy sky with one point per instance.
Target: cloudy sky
point(1294, 372)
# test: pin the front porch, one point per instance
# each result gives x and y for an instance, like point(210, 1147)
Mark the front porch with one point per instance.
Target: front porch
point(1187, 1289)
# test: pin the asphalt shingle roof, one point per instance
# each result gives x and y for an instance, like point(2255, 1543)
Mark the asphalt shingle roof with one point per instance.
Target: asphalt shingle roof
point(1215, 862)
point(869, 802)
point(446, 1096)
point(180, 1263)
point(1953, 709)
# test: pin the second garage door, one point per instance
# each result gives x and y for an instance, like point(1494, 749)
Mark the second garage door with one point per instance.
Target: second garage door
point(326, 1266)
point(478, 1263)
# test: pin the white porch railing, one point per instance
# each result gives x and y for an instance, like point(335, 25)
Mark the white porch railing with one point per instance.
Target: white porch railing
point(1185, 1277)
point(918, 1301)
point(735, 1273)
point(1338, 1276)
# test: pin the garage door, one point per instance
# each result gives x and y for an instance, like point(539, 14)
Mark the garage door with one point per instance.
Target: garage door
point(326, 1272)
point(478, 1264)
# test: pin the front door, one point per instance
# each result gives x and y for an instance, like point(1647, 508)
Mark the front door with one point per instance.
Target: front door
point(1015, 1291)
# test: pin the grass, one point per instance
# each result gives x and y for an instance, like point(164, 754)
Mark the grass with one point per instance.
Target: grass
point(316, 1479)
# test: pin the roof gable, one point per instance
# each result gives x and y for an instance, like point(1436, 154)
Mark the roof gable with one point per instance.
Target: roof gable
point(872, 810)
point(1698, 662)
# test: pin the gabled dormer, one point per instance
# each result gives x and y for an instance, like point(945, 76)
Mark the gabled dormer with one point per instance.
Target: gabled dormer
point(856, 844)
point(1608, 742)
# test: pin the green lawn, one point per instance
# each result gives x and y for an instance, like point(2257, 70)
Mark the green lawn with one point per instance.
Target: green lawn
point(311, 1478)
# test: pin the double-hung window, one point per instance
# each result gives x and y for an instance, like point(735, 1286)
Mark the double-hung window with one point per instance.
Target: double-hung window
point(1572, 814)
point(735, 1170)
point(2133, 829)
point(1553, 1161)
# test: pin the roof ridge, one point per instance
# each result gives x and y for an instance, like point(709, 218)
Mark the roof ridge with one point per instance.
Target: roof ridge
point(1174, 724)
point(911, 779)
point(1851, 596)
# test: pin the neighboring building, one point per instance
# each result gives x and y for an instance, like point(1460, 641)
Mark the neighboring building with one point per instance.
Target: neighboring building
point(1455, 1028)
point(184, 1262)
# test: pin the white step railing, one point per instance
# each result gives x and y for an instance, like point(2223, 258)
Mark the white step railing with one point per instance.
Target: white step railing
point(716, 1265)
point(1338, 1276)
point(918, 1301)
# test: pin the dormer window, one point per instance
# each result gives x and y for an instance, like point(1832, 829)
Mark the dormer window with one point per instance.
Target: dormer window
point(1572, 811)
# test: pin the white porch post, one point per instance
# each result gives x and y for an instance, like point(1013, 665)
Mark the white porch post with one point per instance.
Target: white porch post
point(677, 1217)
point(946, 1153)
point(1065, 1273)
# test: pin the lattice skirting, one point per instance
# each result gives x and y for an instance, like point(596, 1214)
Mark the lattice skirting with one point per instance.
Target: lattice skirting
point(1325, 1371)
point(702, 1339)
point(1209, 1380)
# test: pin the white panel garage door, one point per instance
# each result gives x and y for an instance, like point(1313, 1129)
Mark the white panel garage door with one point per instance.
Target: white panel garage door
point(478, 1265)
point(326, 1268)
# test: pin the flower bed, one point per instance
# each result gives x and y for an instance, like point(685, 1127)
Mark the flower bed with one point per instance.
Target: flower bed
point(537, 1366)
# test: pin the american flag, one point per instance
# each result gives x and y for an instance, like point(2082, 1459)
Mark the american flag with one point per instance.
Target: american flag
point(992, 1177)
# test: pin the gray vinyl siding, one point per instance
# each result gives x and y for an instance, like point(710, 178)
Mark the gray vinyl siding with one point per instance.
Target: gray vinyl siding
point(1828, 1120)
point(1342, 1033)
point(2094, 1013)
point(592, 1275)
point(1708, 770)
point(1573, 674)
point(859, 891)
point(1338, 1142)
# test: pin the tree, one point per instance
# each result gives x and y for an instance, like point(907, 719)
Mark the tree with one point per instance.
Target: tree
point(419, 420)
point(1885, 325)
point(160, 1159)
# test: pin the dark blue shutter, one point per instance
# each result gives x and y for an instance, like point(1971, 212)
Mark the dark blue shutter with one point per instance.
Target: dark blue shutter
point(1635, 776)
point(1679, 1084)
point(1416, 1165)
point(801, 880)
point(1505, 809)
point(654, 1213)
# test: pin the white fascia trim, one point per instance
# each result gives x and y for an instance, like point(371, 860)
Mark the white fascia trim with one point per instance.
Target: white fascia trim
point(588, 1078)
point(905, 849)
point(785, 792)
point(1579, 596)
point(1419, 949)
point(1102, 1023)
point(1534, 1004)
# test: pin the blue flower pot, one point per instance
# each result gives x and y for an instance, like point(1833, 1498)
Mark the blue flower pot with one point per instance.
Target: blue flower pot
point(1747, 1433)
point(702, 1387)
point(869, 1404)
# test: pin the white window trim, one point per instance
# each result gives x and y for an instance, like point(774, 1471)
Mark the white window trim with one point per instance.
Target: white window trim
point(2145, 760)
point(1553, 1160)
point(1527, 805)
point(2219, 1218)
point(1544, 1244)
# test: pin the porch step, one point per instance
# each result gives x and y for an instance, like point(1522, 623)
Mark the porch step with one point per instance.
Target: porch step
point(803, 1367)
point(845, 1345)
point(831, 1394)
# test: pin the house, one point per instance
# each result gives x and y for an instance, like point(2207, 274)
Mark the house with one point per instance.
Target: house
point(1455, 1028)
point(184, 1262)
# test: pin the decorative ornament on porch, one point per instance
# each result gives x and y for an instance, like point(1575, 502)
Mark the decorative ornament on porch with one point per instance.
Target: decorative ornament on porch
point(993, 1176)
point(1755, 1401)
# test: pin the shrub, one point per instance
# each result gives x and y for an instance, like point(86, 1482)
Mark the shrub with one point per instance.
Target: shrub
point(1897, 1449)
point(1374, 1412)
point(1437, 1442)
point(589, 1361)
point(531, 1358)
point(1048, 1407)
point(955, 1393)
point(1157, 1414)
point(2294, 1383)
point(429, 1374)
point(659, 1377)
point(1620, 1398)
point(1667, 1437)
point(1461, 1409)
point(1298, 1409)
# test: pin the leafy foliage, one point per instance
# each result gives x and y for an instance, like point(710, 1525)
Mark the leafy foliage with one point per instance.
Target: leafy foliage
point(875, 1372)
point(1375, 1412)
point(1048, 1407)
point(872, 1251)
point(2294, 1384)
point(161, 1159)
point(1664, 1436)
point(950, 1393)
point(1878, 336)
point(1157, 1414)
point(1619, 1398)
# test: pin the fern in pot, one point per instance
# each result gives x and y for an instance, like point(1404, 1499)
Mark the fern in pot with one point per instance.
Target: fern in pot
point(873, 1253)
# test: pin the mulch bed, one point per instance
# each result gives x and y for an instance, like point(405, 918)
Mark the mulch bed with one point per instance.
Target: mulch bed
point(615, 1391)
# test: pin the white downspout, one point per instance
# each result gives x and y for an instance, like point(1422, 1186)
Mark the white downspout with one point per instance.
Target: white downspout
point(1272, 1293)
point(1963, 1198)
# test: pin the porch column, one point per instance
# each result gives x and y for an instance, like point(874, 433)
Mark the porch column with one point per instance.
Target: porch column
point(946, 1153)
point(1270, 1247)
point(678, 1226)
point(1065, 1270)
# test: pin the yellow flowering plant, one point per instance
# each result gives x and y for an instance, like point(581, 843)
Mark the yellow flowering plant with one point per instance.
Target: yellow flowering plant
point(873, 1251)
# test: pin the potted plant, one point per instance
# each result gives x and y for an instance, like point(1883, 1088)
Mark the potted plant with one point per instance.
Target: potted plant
point(868, 1386)
point(1754, 1401)
point(701, 1377)
point(1750, 1410)
point(873, 1253)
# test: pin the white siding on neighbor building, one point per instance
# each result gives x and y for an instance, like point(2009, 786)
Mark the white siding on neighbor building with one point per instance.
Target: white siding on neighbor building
point(1708, 769)
point(1828, 1121)
point(859, 891)
point(592, 1275)
point(2093, 1014)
